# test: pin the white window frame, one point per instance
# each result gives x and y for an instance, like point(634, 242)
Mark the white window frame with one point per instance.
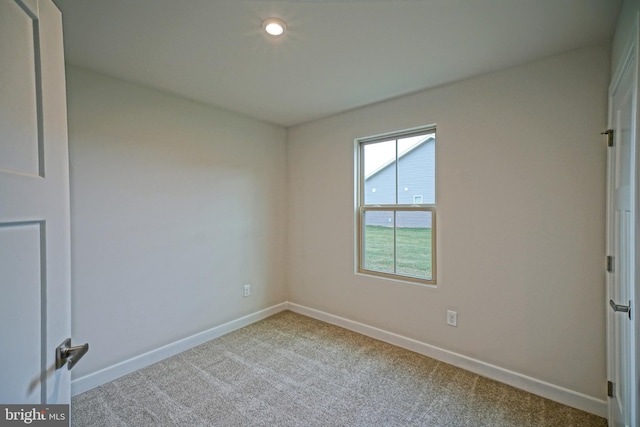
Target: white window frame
point(361, 208)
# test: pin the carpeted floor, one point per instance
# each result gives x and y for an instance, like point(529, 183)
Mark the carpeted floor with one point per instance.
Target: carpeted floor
point(290, 370)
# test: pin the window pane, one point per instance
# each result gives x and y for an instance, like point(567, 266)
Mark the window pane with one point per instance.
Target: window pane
point(380, 173)
point(396, 171)
point(416, 169)
point(413, 244)
point(378, 240)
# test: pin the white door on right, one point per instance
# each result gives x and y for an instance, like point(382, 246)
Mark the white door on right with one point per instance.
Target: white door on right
point(621, 231)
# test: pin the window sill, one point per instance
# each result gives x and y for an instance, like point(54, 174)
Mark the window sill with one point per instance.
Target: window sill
point(396, 279)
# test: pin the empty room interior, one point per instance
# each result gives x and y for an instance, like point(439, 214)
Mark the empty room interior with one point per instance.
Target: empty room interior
point(217, 179)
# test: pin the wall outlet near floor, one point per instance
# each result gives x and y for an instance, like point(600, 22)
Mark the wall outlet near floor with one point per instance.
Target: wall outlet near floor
point(452, 318)
point(246, 290)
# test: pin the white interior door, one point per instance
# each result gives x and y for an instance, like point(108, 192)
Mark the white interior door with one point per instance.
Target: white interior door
point(622, 223)
point(34, 204)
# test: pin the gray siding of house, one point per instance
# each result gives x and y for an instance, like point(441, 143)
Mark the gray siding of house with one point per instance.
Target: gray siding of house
point(414, 179)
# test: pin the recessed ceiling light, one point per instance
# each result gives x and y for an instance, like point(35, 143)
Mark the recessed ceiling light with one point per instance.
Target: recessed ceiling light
point(275, 27)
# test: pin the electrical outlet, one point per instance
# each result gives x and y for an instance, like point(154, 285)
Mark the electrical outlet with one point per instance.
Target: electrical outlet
point(247, 290)
point(452, 318)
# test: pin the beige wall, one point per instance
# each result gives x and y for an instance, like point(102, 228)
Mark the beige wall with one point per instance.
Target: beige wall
point(175, 206)
point(521, 215)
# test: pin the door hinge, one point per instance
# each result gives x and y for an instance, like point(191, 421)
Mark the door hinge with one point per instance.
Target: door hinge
point(609, 389)
point(609, 133)
point(609, 264)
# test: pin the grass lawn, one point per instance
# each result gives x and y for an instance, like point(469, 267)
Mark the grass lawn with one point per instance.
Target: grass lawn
point(413, 246)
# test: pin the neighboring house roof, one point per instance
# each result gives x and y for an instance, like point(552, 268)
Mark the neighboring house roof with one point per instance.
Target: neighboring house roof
point(404, 153)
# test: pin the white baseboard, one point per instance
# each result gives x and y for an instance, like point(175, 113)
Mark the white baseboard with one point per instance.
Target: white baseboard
point(541, 388)
point(82, 384)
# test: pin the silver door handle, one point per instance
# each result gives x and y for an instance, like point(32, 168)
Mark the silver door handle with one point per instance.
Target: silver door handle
point(622, 308)
point(69, 355)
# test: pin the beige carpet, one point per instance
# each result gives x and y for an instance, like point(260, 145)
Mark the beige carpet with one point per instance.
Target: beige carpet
point(290, 370)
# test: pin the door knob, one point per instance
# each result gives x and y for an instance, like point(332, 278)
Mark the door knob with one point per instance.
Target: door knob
point(69, 355)
point(622, 308)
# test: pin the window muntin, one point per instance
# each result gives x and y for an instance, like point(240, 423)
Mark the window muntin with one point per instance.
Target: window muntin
point(396, 205)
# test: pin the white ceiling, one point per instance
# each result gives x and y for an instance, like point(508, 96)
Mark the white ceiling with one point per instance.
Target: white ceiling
point(337, 54)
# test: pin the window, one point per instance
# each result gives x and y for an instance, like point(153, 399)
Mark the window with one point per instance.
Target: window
point(396, 205)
